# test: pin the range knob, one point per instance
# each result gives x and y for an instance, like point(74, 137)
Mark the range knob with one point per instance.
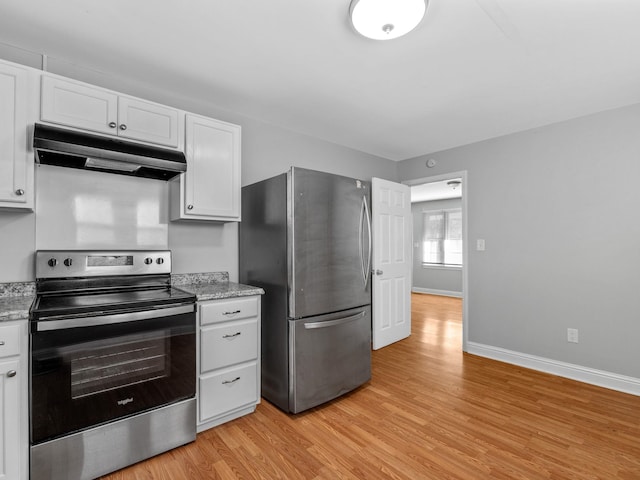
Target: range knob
point(160, 261)
point(67, 262)
point(52, 262)
point(148, 260)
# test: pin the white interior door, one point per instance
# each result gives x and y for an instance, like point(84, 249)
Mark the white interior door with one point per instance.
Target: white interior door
point(392, 262)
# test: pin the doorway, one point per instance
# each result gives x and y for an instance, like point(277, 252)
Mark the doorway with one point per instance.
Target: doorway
point(442, 201)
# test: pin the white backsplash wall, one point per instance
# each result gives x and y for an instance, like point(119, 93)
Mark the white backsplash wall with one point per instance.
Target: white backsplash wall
point(198, 247)
point(81, 209)
point(17, 237)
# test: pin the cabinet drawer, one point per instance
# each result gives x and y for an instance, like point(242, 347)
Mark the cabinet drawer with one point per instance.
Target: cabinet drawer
point(226, 310)
point(227, 390)
point(9, 340)
point(227, 344)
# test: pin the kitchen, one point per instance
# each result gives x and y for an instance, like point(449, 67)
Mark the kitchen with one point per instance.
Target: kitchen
point(585, 168)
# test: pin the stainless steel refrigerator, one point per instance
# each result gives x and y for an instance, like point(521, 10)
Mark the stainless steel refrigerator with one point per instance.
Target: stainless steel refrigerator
point(305, 238)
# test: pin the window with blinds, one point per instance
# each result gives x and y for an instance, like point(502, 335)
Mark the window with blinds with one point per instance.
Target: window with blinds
point(442, 237)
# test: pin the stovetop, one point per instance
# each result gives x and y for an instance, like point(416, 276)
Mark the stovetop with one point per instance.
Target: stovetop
point(87, 282)
point(72, 304)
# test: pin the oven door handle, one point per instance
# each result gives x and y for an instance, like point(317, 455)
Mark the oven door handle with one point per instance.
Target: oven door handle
point(50, 325)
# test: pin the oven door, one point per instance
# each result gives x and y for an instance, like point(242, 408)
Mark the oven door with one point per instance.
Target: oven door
point(92, 370)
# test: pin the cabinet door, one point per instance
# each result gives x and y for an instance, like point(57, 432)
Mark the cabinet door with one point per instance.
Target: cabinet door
point(211, 187)
point(227, 310)
point(148, 122)
point(79, 105)
point(226, 390)
point(16, 166)
point(228, 344)
point(10, 444)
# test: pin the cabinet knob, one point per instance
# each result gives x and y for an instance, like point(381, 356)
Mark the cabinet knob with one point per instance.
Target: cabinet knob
point(19, 192)
point(189, 207)
point(112, 125)
point(123, 127)
point(11, 373)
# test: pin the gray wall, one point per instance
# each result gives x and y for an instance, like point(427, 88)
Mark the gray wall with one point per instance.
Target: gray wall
point(439, 280)
point(558, 208)
point(197, 246)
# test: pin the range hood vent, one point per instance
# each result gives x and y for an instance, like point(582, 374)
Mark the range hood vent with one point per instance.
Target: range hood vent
point(66, 148)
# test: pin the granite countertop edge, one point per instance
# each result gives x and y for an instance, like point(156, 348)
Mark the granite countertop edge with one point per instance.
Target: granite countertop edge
point(15, 308)
point(219, 290)
point(16, 298)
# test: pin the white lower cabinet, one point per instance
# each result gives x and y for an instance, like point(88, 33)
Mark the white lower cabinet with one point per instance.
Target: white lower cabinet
point(228, 359)
point(13, 401)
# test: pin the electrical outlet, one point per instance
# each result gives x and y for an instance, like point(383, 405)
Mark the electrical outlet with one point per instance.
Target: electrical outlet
point(480, 244)
point(572, 335)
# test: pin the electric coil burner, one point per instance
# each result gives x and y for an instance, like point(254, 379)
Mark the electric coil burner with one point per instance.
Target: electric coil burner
point(112, 359)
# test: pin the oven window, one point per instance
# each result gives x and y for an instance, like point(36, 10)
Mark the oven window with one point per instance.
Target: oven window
point(98, 367)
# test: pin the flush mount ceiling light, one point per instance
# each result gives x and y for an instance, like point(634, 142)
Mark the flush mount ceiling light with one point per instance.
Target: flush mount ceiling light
point(386, 19)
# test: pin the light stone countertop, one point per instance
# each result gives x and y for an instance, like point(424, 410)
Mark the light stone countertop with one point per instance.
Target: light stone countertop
point(219, 290)
point(15, 308)
point(16, 298)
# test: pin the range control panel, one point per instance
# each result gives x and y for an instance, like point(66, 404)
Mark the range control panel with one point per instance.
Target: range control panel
point(90, 263)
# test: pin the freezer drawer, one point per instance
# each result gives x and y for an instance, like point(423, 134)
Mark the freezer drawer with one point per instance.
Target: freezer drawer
point(329, 355)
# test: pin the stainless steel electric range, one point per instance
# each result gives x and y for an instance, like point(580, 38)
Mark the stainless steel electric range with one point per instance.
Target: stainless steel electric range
point(112, 362)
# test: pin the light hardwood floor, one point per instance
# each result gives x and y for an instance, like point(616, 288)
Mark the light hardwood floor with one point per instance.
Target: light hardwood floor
point(429, 412)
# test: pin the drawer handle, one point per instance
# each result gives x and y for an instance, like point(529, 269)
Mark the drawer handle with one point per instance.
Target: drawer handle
point(232, 335)
point(1, 343)
point(231, 313)
point(11, 373)
point(227, 382)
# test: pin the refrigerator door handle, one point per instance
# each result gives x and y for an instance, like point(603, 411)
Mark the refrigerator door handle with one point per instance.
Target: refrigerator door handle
point(369, 254)
point(360, 232)
point(333, 323)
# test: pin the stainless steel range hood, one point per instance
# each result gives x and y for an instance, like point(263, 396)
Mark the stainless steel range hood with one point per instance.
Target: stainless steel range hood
point(66, 148)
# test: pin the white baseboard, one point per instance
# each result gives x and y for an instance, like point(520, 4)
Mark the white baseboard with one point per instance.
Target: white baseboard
point(431, 291)
point(591, 376)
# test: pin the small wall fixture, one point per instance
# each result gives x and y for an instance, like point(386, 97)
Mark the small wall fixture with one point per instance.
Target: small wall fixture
point(386, 19)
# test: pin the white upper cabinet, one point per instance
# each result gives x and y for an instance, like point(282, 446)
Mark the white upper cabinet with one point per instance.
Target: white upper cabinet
point(83, 106)
point(210, 188)
point(148, 122)
point(16, 157)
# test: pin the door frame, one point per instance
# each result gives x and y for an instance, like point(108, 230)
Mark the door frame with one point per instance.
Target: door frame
point(465, 242)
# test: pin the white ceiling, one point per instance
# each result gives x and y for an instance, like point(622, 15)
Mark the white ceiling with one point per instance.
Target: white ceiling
point(473, 70)
point(427, 192)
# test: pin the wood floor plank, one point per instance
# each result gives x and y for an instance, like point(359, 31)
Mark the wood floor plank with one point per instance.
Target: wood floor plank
point(429, 412)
